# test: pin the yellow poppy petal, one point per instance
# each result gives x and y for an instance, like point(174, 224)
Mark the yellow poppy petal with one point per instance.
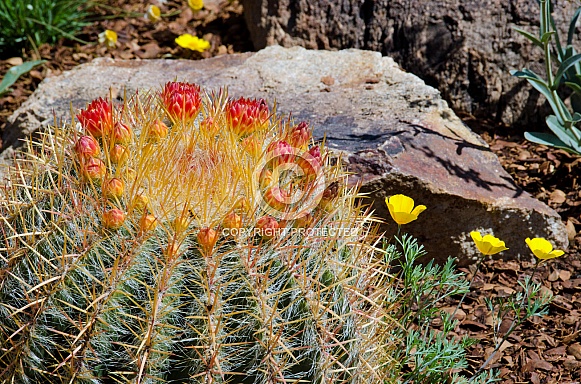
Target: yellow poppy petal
point(488, 245)
point(402, 203)
point(403, 218)
point(476, 236)
point(196, 5)
point(419, 209)
point(496, 249)
point(539, 244)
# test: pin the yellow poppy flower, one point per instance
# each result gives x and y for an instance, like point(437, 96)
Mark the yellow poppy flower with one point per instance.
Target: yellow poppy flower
point(488, 245)
point(153, 13)
point(108, 37)
point(192, 42)
point(543, 249)
point(196, 5)
point(401, 208)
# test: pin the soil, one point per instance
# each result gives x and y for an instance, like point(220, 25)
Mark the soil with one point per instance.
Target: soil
point(543, 350)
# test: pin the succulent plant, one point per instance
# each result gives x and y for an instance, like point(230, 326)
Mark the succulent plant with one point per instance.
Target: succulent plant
point(141, 245)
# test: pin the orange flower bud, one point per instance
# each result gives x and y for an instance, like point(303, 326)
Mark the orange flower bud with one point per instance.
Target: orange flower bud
point(180, 224)
point(147, 223)
point(113, 188)
point(311, 162)
point(113, 218)
point(266, 178)
point(140, 202)
point(97, 119)
point(304, 221)
point(122, 133)
point(209, 125)
point(252, 146)
point(267, 227)
point(242, 205)
point(119, 154)
point(171, 250)
point(157, 131)
point(94, 168)
point(87, 146)
point(207, 238)
point(276, 198)
point(129, 175)
point(232, 221)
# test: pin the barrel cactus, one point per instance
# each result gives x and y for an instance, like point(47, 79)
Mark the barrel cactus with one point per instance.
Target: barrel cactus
point(185, 236)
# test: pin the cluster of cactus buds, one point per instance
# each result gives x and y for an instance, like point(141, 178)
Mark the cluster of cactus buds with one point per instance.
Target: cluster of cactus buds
point(163, 241)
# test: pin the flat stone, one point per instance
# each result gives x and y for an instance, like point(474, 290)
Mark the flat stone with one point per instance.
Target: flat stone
point(396, 134)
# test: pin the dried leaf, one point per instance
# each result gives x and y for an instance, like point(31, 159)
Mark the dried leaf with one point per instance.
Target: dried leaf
point(558, 196)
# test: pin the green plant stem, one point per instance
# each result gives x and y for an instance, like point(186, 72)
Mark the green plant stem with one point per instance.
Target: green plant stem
point(120, 14)
point(469, 286)
point(545, 20)
point(59, 31)
point(517, 321)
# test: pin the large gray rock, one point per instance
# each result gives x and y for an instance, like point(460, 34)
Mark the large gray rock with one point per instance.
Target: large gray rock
point(397, 134)
point(464, 48)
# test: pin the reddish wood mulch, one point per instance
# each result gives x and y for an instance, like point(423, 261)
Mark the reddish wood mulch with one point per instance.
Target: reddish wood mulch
point(546, 350)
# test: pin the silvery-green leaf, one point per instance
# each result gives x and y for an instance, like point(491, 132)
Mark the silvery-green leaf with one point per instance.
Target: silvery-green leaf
point(15, 72)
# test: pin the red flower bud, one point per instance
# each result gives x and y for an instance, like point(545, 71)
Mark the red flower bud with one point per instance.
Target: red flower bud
point(87, 146)
point(113, 188)
point(113, 218)
point(94, 168)
point(182, 101)
point(207, 239)
point(245, 116)
point(267, 227)
point(300, 135)
point(97, 119)
point(311, 162)
point(281, 153)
